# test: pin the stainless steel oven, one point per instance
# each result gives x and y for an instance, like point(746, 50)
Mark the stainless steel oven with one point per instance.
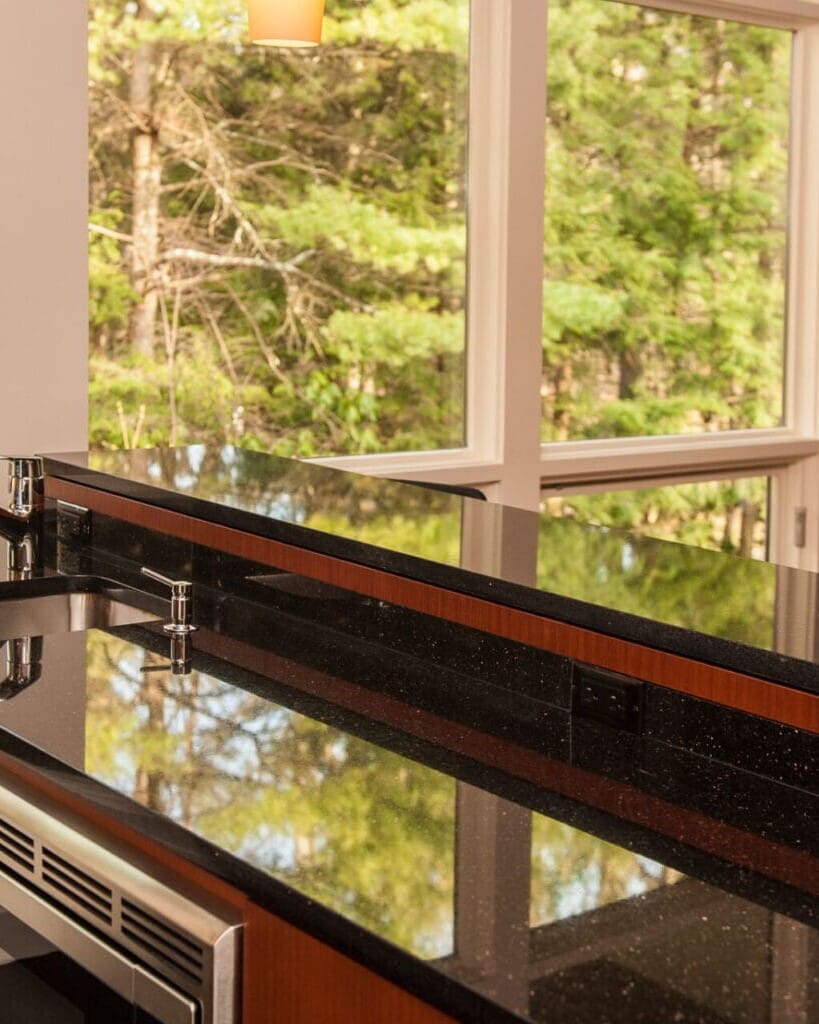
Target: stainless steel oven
point(90, 933)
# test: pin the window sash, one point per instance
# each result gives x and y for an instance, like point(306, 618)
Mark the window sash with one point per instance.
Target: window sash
point(504, 345)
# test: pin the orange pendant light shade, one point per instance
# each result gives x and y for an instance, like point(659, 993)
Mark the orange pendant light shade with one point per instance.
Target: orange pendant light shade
point(285, 22)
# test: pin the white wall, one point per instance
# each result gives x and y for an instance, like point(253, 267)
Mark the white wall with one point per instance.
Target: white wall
point(43, 226)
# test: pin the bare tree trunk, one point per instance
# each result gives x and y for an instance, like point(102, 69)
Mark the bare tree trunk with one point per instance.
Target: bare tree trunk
point(631, 369)
point(145, 209)
point(728, 531)
point(148, 781)
point(561, 413)
point(750, 515)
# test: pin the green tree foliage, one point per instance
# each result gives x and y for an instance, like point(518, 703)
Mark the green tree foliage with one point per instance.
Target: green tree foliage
point(574, 872)
point(295, 232)
point(664, 294)
point(720, 515)
point(659, 582)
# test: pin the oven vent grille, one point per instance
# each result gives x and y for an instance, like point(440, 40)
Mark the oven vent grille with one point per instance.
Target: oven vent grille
point(16, 848)
point(78, 886)
point(148, 933)
point(100, 905)
point(107, 907)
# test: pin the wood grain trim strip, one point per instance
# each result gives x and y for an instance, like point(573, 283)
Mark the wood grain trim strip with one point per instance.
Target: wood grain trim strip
point(734, 845)
point(685, 675)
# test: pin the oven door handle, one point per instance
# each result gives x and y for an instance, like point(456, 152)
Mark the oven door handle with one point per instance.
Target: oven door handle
point(127, 978)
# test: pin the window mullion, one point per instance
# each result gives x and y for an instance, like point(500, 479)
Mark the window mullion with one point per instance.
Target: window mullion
point(507, 140)
point(802, 395)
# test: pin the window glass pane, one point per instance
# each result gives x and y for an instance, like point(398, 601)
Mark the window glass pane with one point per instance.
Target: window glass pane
point(278, 236)
point(666, 194)
point(724, 515)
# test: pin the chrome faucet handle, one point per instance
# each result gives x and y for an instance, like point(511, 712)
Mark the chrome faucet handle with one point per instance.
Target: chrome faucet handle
point(21, 486)
point(181, 601)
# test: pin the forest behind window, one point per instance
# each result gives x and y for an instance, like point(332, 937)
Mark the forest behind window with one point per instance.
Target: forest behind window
point(666, 209)
point(278, 237)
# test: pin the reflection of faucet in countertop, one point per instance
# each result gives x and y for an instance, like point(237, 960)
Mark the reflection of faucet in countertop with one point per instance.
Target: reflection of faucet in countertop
point(21, 664)
point(21, 504)
point(20, 547)
point(21, 486)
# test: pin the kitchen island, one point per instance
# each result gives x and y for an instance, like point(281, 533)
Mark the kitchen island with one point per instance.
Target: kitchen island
point(501, 830)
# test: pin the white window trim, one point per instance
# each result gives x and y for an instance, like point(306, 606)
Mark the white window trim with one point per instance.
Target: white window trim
point(802, 356)
point(504, 362)
point(505, 256)
point(791, 14)
point(637, 458)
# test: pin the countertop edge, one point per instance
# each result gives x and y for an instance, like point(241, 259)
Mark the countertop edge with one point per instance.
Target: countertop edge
point(721, 653)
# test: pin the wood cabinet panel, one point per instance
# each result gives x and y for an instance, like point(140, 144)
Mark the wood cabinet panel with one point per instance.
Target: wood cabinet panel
point(293, 978)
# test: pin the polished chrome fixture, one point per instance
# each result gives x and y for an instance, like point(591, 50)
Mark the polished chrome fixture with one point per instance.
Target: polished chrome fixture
point(174, 954)
point(181, 657)
point(21, 486)
point(20, 546)
point(103, 607)
point(26, 618)
point(20, 665)
point(181, 602)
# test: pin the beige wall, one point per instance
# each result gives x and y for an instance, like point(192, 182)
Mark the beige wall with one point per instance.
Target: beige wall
point(43, 226)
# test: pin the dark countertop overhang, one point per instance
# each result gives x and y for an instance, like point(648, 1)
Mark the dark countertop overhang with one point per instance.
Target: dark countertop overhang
point(750, 617)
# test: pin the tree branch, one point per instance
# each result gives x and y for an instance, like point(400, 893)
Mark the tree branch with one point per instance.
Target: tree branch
point(216, 260)
point(98, 229)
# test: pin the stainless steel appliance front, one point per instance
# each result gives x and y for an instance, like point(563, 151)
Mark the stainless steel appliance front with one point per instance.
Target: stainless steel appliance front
point(174, 955)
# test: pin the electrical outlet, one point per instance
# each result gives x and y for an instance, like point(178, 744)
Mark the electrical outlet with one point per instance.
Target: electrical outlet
point(608, 697)
point(73, 522)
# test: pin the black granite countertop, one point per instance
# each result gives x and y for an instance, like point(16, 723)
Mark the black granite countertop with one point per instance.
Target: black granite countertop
point(752, 617)
point(505, 860)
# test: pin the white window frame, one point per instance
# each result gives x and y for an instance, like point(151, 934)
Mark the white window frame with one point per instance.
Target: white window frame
point(503, 453)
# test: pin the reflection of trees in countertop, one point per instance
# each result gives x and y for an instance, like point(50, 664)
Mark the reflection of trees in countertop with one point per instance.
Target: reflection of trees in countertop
point(723, 515)
point(363, 830)
point(399, 517)
point(709, 592)
point(359, 828)
point(573, 872)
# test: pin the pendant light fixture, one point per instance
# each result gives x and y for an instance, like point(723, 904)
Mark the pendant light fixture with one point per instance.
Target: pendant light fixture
point(285, 22)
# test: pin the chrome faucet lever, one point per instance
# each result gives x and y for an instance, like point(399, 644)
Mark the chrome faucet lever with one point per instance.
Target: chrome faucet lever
point(21, 486)
point(181, 602)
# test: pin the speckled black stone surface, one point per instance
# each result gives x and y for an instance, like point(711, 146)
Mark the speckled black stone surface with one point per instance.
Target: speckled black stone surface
point(338, 760)
point(715, 607)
